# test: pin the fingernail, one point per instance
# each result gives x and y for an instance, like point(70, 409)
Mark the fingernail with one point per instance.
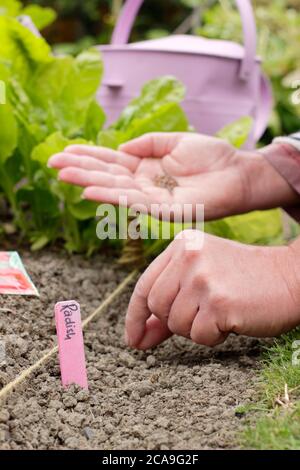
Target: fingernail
point(83, 196)
point(49, 165)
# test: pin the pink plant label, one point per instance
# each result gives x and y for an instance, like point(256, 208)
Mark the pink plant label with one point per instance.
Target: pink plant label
point(70, 344)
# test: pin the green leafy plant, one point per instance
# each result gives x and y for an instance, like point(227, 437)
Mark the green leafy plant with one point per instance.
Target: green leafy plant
point(51, 103)
point(41, 16)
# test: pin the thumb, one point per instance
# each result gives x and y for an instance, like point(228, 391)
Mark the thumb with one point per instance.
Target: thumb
point(154, 145)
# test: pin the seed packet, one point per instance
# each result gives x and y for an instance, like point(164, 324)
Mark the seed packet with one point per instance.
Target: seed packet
point(14, 279)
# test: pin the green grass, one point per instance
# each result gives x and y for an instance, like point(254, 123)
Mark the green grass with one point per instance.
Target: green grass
point(278, 431)
point(270, 425)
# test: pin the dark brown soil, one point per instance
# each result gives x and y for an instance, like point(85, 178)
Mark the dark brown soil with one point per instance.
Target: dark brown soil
point(179, 396)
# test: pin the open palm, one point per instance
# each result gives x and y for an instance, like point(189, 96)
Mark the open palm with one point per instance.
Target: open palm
point(205, 171)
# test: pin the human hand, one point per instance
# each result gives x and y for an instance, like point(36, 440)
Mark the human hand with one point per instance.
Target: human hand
point(207, 171)
point(212, 290)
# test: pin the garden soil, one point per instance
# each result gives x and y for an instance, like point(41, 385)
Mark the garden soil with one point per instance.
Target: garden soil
point(179, 396)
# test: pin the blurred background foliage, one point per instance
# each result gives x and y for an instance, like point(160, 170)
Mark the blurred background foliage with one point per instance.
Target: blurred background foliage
point(80, 24)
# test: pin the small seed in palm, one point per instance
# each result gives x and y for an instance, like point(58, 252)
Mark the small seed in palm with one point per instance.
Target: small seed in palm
point(165, 182)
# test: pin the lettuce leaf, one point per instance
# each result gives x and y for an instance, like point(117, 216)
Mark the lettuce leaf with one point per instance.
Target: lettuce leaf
point(68, 102)
point(20, 49)
point(8, 133)
point(154, 95)
point(157, 109)
point(10, 7)
point(237, 133)
point(41, 16)
point(255, 228)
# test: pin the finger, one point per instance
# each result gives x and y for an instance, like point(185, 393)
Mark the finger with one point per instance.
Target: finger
point(155, 145)
point(155, 334)
point(118, 196)
point(205, 330)
point(138, 312)
point(87, 178)
point(164, 291)
point(183, 312)
point(63, 160)
point(106, 155)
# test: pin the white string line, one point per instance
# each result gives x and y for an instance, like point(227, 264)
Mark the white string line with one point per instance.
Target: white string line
point(26, 373)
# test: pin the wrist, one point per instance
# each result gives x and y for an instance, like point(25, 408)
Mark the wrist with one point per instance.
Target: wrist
point(291, 140)
point(265, 187)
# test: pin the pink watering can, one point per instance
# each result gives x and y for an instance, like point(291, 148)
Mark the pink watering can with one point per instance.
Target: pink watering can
point(223, 79)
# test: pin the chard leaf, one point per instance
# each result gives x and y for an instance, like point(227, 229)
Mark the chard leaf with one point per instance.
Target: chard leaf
point(41, 16)
point(10, 7)
point(8, 132)
point(154, 95)
point(88, 74)
point(55, 143)
point(111, 138)
point(65, 90)
point(238, 132)
point(44, 205)
point(168, 118)
point(32, 127)
point(95, 119)
point(253, 228)
point(22, 49)
point(84, 210)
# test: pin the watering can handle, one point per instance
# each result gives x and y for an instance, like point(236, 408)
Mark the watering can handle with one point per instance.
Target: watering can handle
point(131, 8)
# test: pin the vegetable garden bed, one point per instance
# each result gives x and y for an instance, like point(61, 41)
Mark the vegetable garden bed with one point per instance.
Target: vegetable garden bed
point(179, 396)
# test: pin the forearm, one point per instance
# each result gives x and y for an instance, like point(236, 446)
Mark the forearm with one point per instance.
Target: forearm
point(271, 178)
point(269, 188)
point(264, 186)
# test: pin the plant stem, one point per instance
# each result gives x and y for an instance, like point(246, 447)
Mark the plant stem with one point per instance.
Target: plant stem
point(8, 189)
point(71, 229)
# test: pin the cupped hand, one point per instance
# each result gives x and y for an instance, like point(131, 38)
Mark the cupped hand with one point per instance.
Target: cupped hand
point(211, 289)
point(206, 170)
